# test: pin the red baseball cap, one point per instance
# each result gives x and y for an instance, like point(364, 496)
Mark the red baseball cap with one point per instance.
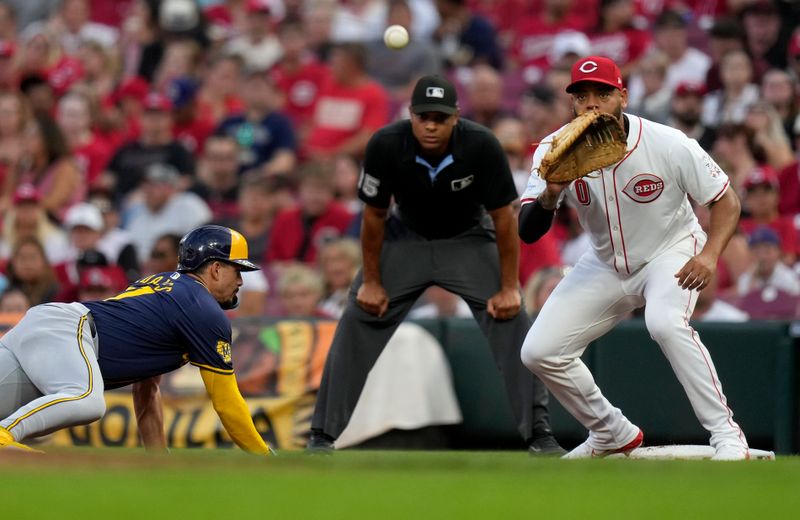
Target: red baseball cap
point(26, 193)
point(598, 69)
point(7, 49)
point(96, 277)
point(135, 87)
point(690, 89)
point(763, 175)
point(156, 101)
point(257, 6)
point(102, 277)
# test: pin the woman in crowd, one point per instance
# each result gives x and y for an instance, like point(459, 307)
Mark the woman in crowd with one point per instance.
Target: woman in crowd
point(29, 270)
point(49, 166)
point(15, 116)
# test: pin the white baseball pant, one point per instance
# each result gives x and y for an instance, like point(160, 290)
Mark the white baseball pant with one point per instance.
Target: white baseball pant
point(586, 304)
point(52, 355)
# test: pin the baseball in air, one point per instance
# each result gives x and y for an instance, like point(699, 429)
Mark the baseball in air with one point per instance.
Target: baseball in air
point(395, 37)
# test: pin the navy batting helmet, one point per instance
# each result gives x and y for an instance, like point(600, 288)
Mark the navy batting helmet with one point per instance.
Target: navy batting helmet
point(213, 243)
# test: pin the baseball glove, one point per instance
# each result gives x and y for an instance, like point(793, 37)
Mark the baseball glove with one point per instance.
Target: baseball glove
point(591, 141)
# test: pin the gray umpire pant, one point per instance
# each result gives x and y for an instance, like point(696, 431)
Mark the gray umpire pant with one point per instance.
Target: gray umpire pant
point(49, 376)
point(467, 265)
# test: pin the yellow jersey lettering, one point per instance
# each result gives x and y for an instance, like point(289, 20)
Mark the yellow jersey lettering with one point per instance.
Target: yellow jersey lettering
point(132, 293)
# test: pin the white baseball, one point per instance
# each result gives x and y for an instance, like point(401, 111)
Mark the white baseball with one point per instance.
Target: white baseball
point(395, 37)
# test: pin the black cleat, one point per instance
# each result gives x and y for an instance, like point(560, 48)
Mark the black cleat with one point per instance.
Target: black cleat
point(320, 443)
point(545, 446)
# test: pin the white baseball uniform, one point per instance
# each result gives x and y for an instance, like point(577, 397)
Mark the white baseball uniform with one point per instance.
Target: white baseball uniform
point(643, 230)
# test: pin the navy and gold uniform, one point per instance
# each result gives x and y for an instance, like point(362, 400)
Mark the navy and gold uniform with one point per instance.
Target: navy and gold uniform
point(58, 360)
point(158, 324)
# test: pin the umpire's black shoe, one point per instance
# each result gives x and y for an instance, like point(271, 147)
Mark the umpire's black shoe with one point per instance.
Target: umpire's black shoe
point(320, 443)
point(545, 446)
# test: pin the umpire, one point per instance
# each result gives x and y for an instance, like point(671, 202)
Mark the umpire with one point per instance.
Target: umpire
point(445, 174)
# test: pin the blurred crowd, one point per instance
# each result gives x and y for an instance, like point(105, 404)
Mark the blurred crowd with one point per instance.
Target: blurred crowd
point(125, 124)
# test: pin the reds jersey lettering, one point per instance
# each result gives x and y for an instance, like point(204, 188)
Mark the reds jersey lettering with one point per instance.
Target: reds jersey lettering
point(638, 215)
point(644, 188)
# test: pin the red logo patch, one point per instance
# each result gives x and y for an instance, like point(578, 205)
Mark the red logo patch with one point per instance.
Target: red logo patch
point(644, 187)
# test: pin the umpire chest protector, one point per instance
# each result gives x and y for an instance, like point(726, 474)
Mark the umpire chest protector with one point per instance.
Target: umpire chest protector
point(437, 197)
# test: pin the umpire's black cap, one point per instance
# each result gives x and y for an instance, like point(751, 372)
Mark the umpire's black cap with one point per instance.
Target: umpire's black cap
point(213, 243)
point(434, 94)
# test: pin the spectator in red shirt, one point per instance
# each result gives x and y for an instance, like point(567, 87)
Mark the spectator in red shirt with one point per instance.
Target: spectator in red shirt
point(761, 203)
point(90, 151)
point(299, 75)
point(535, 36)
point(299, 231)
point(123, 116)
point(350, 107)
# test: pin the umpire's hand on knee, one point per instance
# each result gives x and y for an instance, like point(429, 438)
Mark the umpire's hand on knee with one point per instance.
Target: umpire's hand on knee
point(372, 298)
point(504, 305)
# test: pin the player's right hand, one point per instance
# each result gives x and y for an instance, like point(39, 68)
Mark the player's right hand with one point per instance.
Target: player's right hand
point(372, 298)
point(549, 198)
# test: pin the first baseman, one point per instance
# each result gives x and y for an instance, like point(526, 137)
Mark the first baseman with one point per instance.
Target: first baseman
point(647, 248)
point(55, 364)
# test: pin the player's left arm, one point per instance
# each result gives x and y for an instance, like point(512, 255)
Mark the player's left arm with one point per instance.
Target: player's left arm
point(149, 414)
point(507, 302)
point(697, 272)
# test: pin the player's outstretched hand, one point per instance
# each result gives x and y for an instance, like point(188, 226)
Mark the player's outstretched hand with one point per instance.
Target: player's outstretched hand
point(372, 298)
point(697, 272)
point(504, 305)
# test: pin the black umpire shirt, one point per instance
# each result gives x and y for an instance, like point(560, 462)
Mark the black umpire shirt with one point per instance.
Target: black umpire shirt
point(437, 200)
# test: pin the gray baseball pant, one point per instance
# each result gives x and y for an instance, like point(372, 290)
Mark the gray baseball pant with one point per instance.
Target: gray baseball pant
point(49, 376)
point(467, 265)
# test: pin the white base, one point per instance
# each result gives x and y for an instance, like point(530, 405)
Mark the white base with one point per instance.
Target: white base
point(684, 452)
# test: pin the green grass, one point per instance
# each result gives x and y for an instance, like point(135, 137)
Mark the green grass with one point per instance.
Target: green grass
point(190, 485)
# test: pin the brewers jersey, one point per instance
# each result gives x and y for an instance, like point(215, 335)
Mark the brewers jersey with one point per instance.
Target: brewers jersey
point(158, 324)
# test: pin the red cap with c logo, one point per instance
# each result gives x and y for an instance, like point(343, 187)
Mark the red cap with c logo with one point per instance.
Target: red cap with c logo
point(598, 69)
